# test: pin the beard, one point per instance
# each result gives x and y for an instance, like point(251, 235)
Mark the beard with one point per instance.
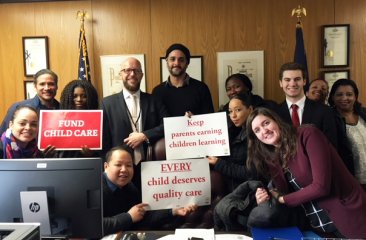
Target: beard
point(177, 71)
point(130, 87)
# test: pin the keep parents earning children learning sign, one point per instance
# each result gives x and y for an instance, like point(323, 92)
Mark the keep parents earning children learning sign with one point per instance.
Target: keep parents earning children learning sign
point(175, 183)
point(70, 129)
point(199, 136)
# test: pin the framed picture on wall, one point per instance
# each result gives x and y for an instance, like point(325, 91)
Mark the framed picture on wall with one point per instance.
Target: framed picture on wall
point(29, 90)
point(332, 76)
point(35, 54)
point(194, 70)
point(336, 45)
point(250, 63)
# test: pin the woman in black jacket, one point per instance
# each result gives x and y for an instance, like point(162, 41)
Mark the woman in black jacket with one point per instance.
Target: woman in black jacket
point(233, 167)
point(351, 120)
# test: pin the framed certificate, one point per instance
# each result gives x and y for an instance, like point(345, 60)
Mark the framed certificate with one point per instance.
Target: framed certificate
point(336, 45)
point(35, 52)
point(332, 76)
point(29, 90)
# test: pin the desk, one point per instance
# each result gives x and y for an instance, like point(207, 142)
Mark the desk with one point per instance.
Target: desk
point(166, 235)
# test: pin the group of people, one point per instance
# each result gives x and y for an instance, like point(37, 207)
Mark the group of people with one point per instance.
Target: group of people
point(307, 152)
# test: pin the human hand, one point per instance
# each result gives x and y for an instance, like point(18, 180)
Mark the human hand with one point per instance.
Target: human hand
point(86, 152)
point(49, 151)
point(184, 211)
point(188, 114)
point(137, 212)
point(261, 195)
point(135, 139)
point(212, 160)
point(278, 196)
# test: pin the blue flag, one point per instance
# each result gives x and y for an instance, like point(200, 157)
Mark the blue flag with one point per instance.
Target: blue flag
point(300, 54)
point(84, 67)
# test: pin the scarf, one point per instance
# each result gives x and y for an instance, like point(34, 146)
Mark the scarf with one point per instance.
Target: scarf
point(13, 150)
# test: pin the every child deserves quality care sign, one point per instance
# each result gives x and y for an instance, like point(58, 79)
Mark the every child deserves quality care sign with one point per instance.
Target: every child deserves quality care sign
point(175, 183)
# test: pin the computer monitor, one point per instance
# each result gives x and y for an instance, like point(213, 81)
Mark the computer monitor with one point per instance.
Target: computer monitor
point(73, 187)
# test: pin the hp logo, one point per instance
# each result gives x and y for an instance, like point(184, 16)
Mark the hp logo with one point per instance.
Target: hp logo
point(34, 207)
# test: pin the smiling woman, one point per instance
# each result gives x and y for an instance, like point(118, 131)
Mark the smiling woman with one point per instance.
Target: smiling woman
point(306, 171)
point(19, 140)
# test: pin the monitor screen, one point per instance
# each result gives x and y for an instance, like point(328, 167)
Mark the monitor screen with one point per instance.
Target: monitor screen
point(72, 187)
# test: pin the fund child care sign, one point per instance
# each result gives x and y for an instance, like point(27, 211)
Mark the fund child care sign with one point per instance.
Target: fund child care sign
point(175, 183)
point(195, 137)
point(70, 129)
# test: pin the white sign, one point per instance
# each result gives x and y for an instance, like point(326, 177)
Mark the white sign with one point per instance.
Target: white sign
point(176, 183)
point(199, 136)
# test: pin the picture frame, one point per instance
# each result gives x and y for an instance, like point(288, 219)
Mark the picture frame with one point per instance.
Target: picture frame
point(332, 76)
point(250, 63)
point(35, 54)
point(335, 42)
point(111, 66)
point(29, 90)
point(194, 70)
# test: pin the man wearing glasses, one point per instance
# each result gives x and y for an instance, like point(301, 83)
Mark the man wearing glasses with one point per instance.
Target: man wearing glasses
point(180, 93)
point(132, 117)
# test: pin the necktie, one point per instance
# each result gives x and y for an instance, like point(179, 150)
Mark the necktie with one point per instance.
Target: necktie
point(134, 110)
point(295, 116)
point(135, 127)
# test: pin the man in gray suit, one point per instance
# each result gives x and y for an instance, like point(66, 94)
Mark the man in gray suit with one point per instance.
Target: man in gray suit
point(132, 117)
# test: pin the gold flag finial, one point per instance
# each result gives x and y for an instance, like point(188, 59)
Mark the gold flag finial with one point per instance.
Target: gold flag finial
point(81, 14)
point(298, 11)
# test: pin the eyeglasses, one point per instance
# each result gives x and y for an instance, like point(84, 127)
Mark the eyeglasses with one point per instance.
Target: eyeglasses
point(130, 70)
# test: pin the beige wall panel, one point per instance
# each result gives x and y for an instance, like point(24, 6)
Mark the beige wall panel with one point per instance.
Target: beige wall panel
point(58, 21)
point(150, 26)
point(208, 27)
point(16, 21)
point(354, 12)
point(121, 27)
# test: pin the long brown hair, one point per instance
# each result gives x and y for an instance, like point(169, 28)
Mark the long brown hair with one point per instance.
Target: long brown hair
point(261, 155)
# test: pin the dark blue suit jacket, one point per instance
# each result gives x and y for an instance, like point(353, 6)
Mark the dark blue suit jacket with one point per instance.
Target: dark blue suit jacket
point(33, 102)
point(317, 114)
point(117, 125)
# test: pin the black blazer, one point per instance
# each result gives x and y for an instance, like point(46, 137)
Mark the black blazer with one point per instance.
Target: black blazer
point(116, 123)
point(317, 114)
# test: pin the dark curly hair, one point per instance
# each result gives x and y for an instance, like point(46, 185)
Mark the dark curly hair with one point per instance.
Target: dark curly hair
point(67, 95)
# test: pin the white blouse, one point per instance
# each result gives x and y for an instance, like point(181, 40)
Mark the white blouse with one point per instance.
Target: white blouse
point(357, 137)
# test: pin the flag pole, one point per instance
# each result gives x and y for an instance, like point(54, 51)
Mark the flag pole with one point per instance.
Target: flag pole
point(298, 11)
point(84, 68)
point(300, 54)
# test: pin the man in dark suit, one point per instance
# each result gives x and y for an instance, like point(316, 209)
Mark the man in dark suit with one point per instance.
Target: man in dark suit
point(132, 117)
point(292, 81)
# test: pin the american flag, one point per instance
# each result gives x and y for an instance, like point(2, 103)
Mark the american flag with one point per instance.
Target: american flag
point(300, 54)
point(84, 67)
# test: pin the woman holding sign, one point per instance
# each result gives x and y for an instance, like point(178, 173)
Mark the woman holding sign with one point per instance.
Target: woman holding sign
point(78, 95)
point(19, 140)
point(233, 167)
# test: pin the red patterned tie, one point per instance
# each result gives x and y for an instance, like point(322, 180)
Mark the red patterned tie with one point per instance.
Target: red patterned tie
point(295, 116)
